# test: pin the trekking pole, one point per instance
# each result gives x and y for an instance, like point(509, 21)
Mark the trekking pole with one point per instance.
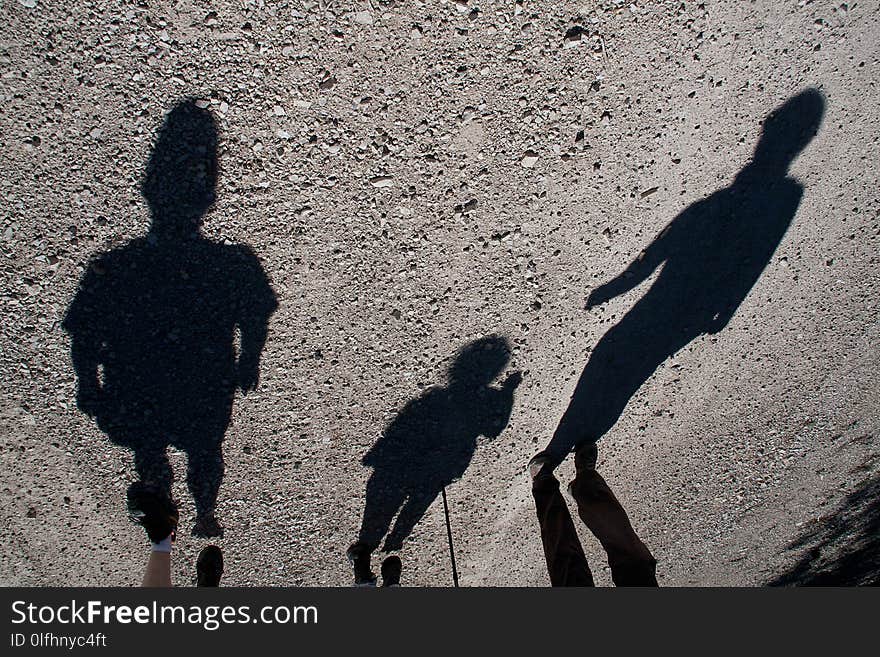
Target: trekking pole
point(449, 536)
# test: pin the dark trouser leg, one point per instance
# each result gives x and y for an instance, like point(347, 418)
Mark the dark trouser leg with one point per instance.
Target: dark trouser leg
point(566, 562)
point(632, 564)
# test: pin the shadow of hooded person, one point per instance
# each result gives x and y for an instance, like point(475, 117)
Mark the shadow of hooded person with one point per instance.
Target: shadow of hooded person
point(431, 442)
point(711, 255)
point(153, 323)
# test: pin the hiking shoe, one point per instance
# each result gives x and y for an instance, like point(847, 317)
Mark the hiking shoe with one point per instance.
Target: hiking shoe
point(209, 566)
point(391, 569)
point(359, 557)
point(541, 464)
point(151, 507)
point(585, 457)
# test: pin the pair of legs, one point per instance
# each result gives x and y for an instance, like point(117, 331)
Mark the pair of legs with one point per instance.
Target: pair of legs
point(624, 358)
point(390, 493)
point(386, 495)
point(632, 564)
point(203, 476)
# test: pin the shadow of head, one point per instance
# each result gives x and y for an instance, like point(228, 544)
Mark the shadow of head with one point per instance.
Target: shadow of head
point(478, 363)
point(788, 129)
point(181, 176)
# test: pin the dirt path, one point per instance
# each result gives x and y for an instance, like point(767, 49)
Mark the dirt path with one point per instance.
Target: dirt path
point(413, 177)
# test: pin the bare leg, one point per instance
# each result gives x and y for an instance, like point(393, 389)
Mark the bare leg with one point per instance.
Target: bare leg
point(158, 572)
point(157, 513)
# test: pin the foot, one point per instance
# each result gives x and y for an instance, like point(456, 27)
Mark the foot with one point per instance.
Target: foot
point(391, 569)
point(540, 465)
point(585, 457)
point(207, 527)
point(152, 508)
point(359, 557)
point(209, 566)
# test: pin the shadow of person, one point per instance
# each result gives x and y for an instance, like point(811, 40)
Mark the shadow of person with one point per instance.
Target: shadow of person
point(842, 547)
point(432, 440)
point(711, 256)
point(153, 322)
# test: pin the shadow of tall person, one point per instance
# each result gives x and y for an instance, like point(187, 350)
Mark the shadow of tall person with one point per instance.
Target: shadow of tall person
point(431, 443)
point(711, 256)
point(153, 323)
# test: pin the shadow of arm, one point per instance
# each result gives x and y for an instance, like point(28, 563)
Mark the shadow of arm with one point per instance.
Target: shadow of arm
point(256, 305)
point(83, 325)
point(504, 404)
point(640, 269)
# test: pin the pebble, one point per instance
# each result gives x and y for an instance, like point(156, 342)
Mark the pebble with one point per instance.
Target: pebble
point(573, 36)
point(529, 159)
point(382, 181)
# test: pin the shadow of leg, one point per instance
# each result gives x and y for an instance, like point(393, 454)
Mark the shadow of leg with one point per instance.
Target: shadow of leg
point(152, 466)
point(413, 510)
point(383, 499)
point(203, 476)
point(566, 562)
point(632, 564)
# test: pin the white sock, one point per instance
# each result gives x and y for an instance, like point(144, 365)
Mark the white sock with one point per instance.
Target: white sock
point(162, 546)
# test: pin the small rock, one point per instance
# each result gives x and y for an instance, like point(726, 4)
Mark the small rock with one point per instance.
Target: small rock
point(278, 110)
point(529, 159)
point(382, 181)
point(573, 36)
point(363, 18)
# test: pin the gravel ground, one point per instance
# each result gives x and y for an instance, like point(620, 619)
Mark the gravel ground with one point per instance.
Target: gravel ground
point(415, 176)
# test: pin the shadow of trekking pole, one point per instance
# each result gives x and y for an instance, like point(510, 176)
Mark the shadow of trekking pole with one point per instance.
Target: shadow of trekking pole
point(449, 536)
